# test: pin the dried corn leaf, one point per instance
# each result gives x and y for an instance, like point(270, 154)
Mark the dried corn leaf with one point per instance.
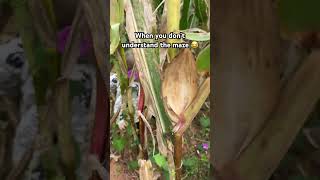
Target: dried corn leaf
point(146, 60)
point(145, 171)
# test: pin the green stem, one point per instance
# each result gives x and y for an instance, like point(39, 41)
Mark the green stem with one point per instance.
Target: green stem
point(131, 114)
point(123, 59)
point(50, 11)
point(173, 22)
point(178, 156)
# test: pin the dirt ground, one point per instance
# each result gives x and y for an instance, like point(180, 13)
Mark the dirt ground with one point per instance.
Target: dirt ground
point(119, 172)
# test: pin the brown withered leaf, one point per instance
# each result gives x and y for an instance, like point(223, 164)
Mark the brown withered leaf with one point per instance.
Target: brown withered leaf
point(180, 84)
point(145, 171)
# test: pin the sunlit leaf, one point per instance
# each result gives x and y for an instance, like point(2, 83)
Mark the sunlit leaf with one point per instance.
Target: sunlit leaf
point(197, 36)
point(116, 18)
point(203, 59)
point(114, 37)
point(119, 144)
point(160, 161)
point(116, 12)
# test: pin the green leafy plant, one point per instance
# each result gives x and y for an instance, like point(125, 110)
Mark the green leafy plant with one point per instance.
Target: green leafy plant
point(119, 144)
point(133, 165)
point(205, 122)
point(203, 59)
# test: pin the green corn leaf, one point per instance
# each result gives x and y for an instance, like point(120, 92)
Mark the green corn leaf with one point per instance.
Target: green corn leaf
point(161, 161)
point(133, 165)
point(148, 63)
point(184, 21)
point(50, 11)
point(201, 11)
point(116, 18)
point(197, 36)
point(114, 37)
point(116, 12)
point(203, 59)
point(119, 144)
point(205, 122)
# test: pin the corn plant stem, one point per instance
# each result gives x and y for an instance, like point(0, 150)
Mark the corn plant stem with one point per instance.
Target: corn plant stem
point(141, 124)
point(142, 138)
point(173, 22)
point(123, 58)
point(65, 139)
point(23, 19)
point(98, 145)
point(96, 15)
point(64, 116)
point(146, 61)
point(50, 11)
point(189, 115)
point(178, 155)
point(131, 115)
point(123, 69)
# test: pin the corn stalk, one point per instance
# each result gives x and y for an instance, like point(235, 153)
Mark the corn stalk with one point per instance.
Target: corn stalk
point(139, 18)
point(173, 22)
point(30, 41)
point(45, 69)
point(147, 60)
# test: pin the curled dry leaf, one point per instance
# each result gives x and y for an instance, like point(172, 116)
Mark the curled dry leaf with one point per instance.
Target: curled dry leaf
point(180, 84)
